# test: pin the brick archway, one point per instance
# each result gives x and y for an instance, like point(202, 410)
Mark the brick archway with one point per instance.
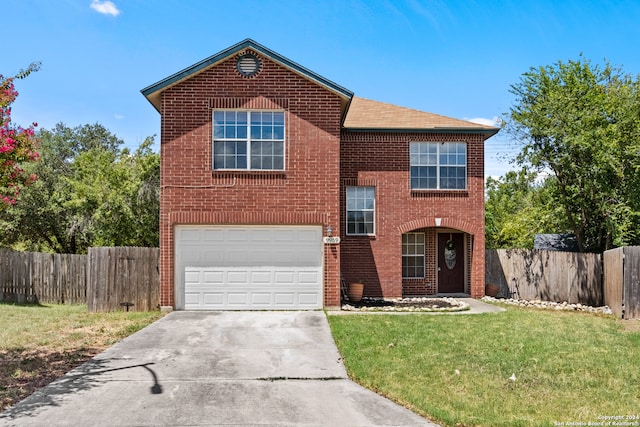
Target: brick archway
point(429, 222)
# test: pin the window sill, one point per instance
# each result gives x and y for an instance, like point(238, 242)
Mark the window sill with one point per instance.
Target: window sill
point(439, 193)
point(244, 172)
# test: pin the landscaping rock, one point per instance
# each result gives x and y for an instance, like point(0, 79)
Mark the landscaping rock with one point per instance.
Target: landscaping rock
point(549, 305)
point(407, 304)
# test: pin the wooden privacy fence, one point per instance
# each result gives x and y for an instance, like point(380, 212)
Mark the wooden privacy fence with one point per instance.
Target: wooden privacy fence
point(42, 277)
point(123, 277)
point(622, 281)
point(546, 275)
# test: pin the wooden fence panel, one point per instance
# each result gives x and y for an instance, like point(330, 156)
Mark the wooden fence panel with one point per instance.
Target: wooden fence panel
point(42, 277)
point(123, 275)
point(546, 275)
point(613, 279)
point(631, 293)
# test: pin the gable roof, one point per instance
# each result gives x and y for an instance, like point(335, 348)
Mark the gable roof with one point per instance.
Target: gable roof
point(359, 114)
point(154, 91)
point(365, 114)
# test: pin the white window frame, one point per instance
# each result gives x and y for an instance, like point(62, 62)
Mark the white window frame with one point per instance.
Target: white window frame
point(437, 155)
point(415, 246)
point(361, 199)
point(244, 133)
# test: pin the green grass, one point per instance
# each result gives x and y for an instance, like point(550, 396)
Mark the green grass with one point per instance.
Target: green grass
point(39, 343)
point(569, 367)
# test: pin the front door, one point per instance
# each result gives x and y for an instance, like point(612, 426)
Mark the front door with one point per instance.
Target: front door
point(451, 263)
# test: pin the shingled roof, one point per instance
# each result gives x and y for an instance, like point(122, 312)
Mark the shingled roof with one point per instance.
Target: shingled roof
point(365, 114)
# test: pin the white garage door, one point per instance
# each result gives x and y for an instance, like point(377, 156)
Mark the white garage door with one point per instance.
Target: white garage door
point(248, 267)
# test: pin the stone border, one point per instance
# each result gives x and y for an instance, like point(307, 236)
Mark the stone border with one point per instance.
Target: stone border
point(428, 305)
point(548, 305)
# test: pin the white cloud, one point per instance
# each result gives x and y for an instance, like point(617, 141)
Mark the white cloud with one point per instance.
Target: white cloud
point(118, 116)
point(105, 7)
point(495, 121)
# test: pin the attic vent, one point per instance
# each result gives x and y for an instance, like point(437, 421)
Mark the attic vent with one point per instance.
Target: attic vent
point(248, 65)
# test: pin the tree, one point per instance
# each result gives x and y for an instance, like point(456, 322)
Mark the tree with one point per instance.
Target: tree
point(518, 206)
point(17, 145)
point(90, 193)
point(581, 123)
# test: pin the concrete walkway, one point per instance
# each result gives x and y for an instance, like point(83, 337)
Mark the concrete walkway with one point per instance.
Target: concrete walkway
point(214, 368)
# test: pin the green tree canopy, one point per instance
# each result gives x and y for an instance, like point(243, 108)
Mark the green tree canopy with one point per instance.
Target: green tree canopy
point(90, 192)
point(519, 206)
point(580, 123)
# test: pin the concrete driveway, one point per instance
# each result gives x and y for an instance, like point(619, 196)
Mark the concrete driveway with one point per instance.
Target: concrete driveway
point(214, 368)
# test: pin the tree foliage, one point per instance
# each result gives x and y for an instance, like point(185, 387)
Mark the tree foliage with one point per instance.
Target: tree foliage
point(90, 192)
point(580, 123)
point(518, 207)
point(17, 145)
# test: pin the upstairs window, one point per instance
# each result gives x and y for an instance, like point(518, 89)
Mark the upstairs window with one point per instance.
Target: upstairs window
point(360, 210)
point(252, 140)
point(438, 166)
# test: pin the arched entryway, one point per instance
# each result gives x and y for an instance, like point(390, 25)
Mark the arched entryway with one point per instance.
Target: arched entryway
point(436, 260)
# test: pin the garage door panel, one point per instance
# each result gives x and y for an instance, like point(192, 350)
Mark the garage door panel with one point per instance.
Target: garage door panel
point(211, 235)
point(261, 299)
point(308, 299)
point(261, 267)
point(262, 235)
point(213, 299)
point(284, 278)
point(213, 277)
point(308, 277)
point(192, 277)
point(208, 257)
point(308, 258)
point(235, 278)
point(307, 236)
point(237, 300)
point(191, 235)
point(261, 278)
point(238, 235)
point(284, 235)
point(192, 298)
point(285, 299)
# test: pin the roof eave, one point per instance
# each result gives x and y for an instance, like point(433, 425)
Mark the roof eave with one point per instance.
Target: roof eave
point(489, 132)
point(152, 92)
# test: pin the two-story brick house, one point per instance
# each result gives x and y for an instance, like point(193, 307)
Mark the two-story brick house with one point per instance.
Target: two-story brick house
point(262, 158)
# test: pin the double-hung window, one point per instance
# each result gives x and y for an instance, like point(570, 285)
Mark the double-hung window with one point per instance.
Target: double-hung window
point(252, 140)
point(413, 255)
point(360, 210)
point(438, 165)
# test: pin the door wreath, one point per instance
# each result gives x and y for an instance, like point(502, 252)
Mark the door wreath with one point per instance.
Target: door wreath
point(450, 253)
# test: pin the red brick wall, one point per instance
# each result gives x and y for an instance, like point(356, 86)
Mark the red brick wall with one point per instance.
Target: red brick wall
point(307, 192)
point(382, 160)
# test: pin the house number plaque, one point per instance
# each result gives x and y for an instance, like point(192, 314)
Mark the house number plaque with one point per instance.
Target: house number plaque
point(329, 240)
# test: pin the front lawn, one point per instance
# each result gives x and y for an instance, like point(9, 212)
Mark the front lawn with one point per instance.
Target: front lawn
point(39, 343)
point(522, 367)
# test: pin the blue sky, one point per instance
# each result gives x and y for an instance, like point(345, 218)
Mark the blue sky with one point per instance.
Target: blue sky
point(456, 58)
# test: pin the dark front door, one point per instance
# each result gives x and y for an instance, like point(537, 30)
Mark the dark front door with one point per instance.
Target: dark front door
point(451, 263)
